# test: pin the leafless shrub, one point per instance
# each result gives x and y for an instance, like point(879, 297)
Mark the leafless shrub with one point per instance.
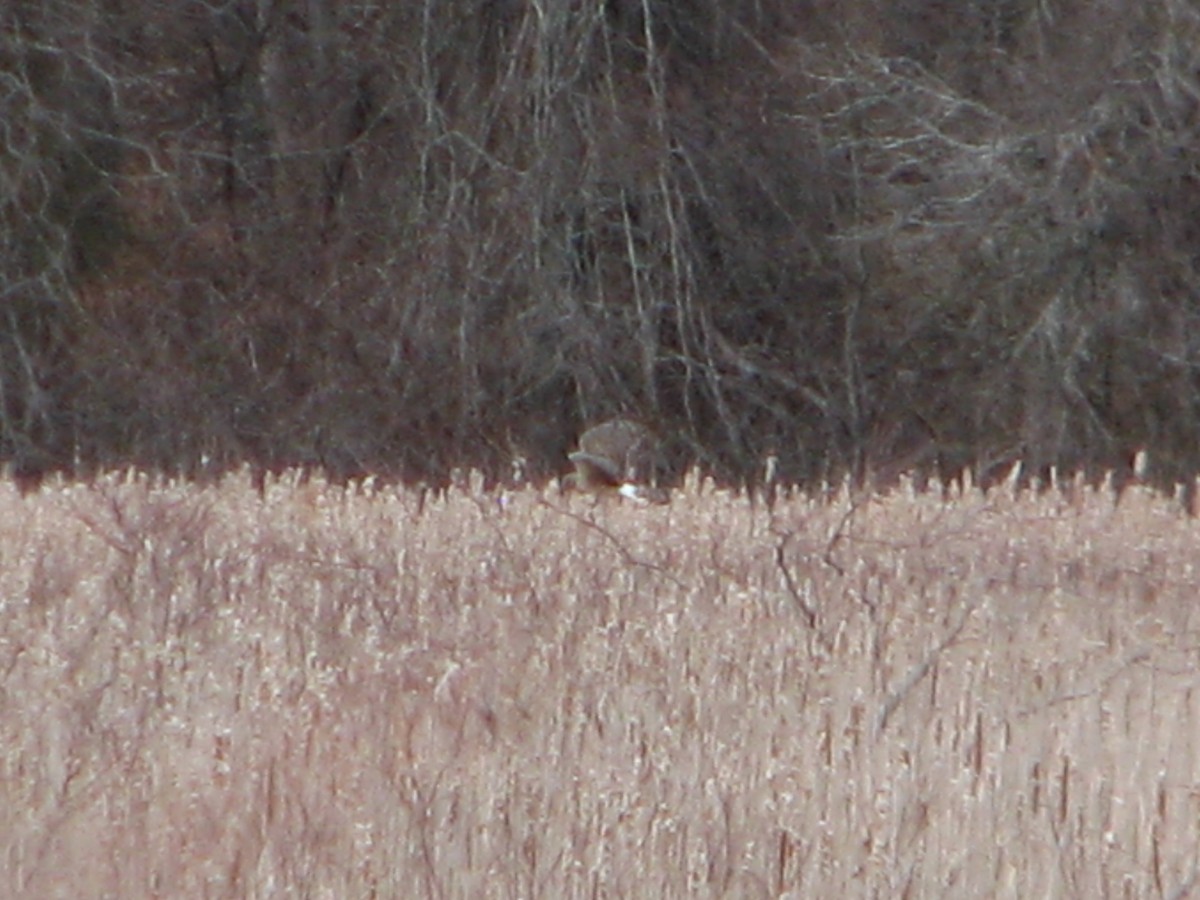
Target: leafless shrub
point(860, 237)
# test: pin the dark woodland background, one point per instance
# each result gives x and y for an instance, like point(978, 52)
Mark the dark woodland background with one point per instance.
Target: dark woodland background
point(866, 236)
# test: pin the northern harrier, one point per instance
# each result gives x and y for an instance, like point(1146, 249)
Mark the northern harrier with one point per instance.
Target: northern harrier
point(618, 455)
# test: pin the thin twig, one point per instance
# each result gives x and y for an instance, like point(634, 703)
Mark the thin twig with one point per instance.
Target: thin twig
point(629, 558)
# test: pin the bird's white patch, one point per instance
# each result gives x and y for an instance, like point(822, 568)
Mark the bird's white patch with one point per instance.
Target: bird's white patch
point(630, 490)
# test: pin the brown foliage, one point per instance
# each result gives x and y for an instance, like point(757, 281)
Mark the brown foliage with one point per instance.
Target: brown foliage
point(304, 689)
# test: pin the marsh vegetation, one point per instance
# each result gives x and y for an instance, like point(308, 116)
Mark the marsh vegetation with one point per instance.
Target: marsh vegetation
point(299, 688)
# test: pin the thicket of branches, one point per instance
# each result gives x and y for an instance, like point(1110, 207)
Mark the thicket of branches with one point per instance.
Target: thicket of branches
point(407, 237)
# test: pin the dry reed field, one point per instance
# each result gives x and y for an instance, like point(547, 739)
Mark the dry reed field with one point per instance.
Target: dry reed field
point(327, 692)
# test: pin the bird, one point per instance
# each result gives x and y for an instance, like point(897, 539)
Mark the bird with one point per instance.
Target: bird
point(617, 456)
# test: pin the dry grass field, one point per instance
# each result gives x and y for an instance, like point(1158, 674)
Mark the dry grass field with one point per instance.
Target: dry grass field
point(311, 691)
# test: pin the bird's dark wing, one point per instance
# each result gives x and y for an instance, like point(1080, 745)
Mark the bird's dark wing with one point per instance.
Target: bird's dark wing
point(596, 470)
